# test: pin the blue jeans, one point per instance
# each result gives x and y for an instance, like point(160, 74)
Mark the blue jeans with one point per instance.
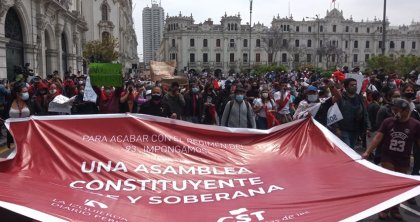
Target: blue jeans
point(350, 138)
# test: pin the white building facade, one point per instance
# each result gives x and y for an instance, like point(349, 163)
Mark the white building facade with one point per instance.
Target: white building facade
point(114, 18)
point(45, 33)
point(323, 42)
point(153, 26)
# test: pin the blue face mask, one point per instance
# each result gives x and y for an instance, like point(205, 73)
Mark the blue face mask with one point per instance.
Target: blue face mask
point(239, 98)
point(194, 90)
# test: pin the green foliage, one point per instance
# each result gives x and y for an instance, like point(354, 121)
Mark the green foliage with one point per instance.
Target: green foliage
point(382, 62)
point(105, 74)
point(401, 65)
point(263, 69)
point(101, 51)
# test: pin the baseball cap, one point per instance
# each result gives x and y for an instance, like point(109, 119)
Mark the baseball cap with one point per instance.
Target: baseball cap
point(400, 103)
point(312, 88)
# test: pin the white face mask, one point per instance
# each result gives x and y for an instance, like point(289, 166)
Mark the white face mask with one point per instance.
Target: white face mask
point(312, 98)
point(53, 91)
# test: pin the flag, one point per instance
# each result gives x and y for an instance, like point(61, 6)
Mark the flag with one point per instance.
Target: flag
point(126, 167)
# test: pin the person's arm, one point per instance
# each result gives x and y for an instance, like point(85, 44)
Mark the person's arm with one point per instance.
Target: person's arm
point(375, 142)
point(336, 95)
point(124, 98)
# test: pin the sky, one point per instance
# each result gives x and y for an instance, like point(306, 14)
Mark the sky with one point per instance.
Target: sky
point(399, 12)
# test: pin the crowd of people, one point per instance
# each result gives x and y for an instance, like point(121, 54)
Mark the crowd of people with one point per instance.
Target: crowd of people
point(382, 116)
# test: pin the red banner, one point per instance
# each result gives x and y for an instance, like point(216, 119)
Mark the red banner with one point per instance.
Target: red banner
point(142, 168)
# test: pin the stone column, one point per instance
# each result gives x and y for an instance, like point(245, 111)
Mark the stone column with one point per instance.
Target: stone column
point(3, 64)
point(51, 61)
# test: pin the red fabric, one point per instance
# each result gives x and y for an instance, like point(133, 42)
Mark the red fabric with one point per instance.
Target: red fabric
point(295, 169)
point(216, 85)
point(213, 114)
point(271, 119)
point(365, 84)
point(340, 76)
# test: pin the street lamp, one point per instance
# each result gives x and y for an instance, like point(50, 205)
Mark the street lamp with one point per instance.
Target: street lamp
point(384, 29)
point(250, 33)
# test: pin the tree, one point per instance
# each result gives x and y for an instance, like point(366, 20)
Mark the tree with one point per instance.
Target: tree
point(329, 51)
point(382, 62)
point(406, 64)
point(101, 51)
point(274, 42)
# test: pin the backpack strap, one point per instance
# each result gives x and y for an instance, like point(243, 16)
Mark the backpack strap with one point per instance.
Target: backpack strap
point(230, 109)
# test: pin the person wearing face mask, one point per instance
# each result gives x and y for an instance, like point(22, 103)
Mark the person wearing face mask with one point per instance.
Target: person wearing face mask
point(312, 101)
point(253, 93)
point(355, 120)
point(238, 112)
point(396, 136)
point(175, 100)
point(128, 99)
point(20, 107)
point(156, 107)
point(193, 104)
point(52, 93)
point(263, 107)
point(109, 99)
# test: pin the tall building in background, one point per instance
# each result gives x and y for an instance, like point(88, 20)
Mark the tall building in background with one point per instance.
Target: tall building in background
point(107, 18)
point(153, 25)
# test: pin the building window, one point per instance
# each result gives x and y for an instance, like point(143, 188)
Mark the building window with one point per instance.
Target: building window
point(366, 57)
point(192, 57)
point(320, 43)
point(380, 29)
point(105, 36)
point(334, 28)
point(258, 43)
point(368, 30)
point(356, 44)
point(356, 29)
point(205, 57)
point(309, 28)
point(217, 42)
point(297, 42)
point(173, 56)
point(296, 57)
point(192, 42)
point(205, 43)
point(257, 57)
point(346, 44)
point(245, 57)
point(284, 58)
point(270, 43)
point(367, 44)
point(297, 28)
point(104, 10)
point(320, 58)
point(391, 45)
point(245, 43)
point(173, 42)
point(232, 57)
point(380, 44)
point(308, 58)
point(345, 58)
point(270, 57)
point(321, 28)
point(355, 58)
point(284, 42)
point(218, 57)
point(309, 43)
point(402, 45)
point(333, 58)
point(413, 45)
point(232, 43)
point(347, 29)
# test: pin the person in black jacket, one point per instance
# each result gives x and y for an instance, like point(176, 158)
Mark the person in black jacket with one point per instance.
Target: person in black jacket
point(355, 117)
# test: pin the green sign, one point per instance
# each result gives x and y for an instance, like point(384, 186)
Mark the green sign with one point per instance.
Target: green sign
point(105, 74)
